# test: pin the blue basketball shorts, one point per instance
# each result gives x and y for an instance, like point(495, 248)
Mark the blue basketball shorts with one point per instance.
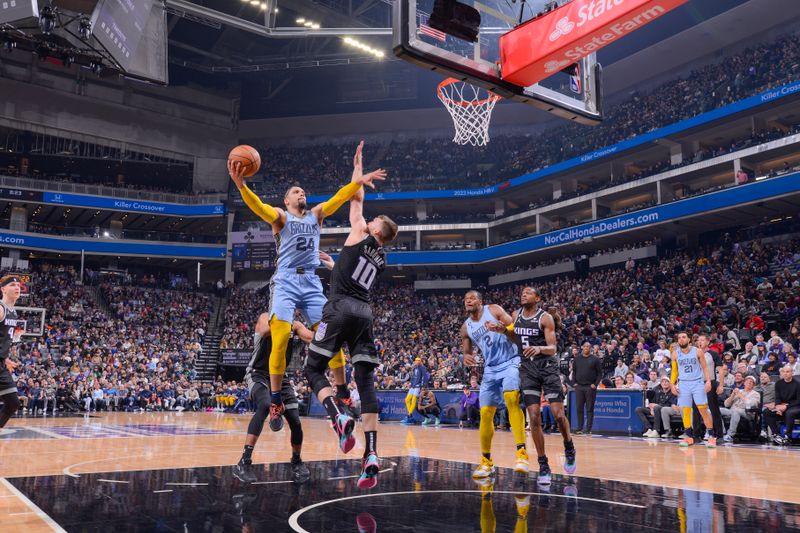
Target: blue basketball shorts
point(495, 383)
point(290, 291)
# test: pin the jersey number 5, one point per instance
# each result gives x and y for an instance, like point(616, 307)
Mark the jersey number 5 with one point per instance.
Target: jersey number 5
point(365, 273)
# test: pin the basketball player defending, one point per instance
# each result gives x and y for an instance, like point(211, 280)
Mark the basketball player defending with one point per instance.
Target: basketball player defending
point(500, 377)
point(10, 287)
point(691, 382)
point(257, 379)
point(295, 285)
point(535, 333)
point(347, 318)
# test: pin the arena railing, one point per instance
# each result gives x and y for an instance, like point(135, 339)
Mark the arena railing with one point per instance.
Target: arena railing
point(111, 192)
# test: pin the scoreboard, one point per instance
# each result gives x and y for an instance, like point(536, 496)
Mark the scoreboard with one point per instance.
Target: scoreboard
point(253, 249)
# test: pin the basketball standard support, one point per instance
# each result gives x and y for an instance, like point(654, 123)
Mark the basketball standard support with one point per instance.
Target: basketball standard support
point(543, 46)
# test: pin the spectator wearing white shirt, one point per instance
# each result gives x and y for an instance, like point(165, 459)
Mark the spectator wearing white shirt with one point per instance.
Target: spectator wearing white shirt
point(737, 404)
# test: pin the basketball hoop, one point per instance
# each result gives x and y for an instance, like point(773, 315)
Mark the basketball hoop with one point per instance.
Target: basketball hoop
point(470, 108)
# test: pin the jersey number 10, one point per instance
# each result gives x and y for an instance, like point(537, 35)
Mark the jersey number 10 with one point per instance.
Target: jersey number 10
point(365, 273)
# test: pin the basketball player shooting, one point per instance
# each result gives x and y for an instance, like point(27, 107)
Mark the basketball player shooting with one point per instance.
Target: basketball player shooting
point(347, 318)
point(10, 287)
point(295, 285)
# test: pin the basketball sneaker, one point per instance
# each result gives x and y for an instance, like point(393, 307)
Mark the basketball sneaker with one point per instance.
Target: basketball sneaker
point(369, 473)
point(275, 417)
point(244, 472)
point(346, 406)
point(484, 470)
point(523, 505)
point(300, 472)
point(521, 465)
point(570, 464)
point(544, 476)
point(686, 442)
point(366, 523)
point(711, 442)
point(344, 426)
point(486, 485)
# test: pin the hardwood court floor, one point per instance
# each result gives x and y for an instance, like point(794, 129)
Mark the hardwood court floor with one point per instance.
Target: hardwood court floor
point(125, 442)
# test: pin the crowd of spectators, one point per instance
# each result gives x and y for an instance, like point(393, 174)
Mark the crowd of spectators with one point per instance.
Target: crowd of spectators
point(409, 162)
point(138, 355)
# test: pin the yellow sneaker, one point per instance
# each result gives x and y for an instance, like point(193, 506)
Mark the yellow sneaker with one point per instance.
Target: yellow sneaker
point(486, 485)
point(484, 470)
point(521, 465)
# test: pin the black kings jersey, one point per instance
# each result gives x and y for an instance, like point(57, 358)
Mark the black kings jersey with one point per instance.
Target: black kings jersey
point(7, 330)
point(262, 346)
point(356, 269)
point(529, 330)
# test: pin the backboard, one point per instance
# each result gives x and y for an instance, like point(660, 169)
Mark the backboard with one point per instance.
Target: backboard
point(577, 98)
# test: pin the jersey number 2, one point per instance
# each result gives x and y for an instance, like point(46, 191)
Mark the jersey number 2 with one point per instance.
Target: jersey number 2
point(365, 273)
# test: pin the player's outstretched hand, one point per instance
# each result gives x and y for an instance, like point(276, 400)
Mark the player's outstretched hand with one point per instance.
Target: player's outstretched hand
point(368, 179)
point(11, 365)
point(469, 359)
point(236, 172)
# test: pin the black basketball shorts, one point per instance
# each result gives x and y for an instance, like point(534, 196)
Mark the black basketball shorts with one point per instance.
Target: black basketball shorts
point(539, 375)
point(346, 320)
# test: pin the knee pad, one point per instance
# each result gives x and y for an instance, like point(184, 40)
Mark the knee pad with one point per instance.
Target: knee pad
point(511, 397)
point(364, 376)
point(315, 371)
point(293, 418)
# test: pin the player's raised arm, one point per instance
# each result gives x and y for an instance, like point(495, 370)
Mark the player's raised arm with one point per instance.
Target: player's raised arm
point(264, 211)
point(344, 194)
point(466, 347)
point(358, 226)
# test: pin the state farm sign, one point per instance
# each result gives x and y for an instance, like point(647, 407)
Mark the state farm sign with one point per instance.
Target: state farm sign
point(539, 48)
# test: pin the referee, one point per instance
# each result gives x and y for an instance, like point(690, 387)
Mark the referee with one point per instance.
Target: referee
point(588, 374)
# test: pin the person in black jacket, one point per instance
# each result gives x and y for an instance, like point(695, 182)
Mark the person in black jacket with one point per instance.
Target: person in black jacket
point(787, 406)
point(663, 404)
point(588, 374)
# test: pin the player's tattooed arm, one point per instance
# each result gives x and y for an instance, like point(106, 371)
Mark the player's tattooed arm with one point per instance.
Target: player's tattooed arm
point(549, 327)
point(466, 347)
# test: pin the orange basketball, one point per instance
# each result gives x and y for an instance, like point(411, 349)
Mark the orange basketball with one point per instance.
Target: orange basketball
point(248, 157)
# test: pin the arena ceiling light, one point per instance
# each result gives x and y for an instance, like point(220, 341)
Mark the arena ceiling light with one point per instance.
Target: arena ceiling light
point(349, 41)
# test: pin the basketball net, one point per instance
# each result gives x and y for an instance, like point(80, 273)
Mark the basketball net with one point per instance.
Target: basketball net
point(470, 107)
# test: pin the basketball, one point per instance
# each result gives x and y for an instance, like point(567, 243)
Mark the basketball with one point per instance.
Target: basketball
point(248, 157)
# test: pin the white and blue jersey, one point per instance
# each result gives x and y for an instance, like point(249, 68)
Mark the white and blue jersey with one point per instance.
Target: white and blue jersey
point(691, 380)
point(500, 356)
point(295, 285)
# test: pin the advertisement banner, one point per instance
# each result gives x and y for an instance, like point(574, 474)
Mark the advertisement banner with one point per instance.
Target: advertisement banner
point(111, 247)
point(614, 411)
point(393, 406)
point(543, 46)
point(698, 205)
point(134, 206)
